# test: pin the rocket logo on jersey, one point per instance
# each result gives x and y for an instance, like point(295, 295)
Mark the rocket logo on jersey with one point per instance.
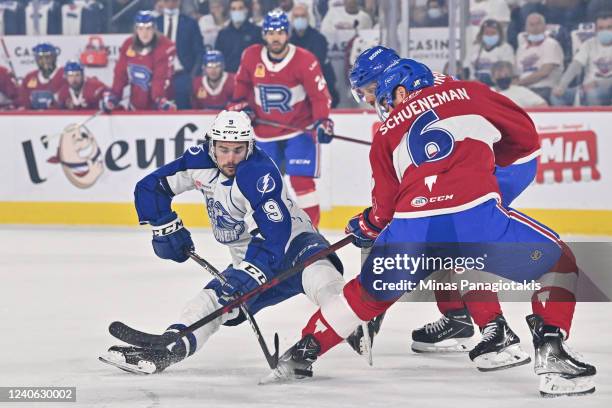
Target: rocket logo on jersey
point(274, 97)
point(140, 76)
point(226, 228)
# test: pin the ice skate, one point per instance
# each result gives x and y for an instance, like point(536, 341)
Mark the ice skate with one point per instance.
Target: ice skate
point(138, 360)
point(453, 332)
point(499, 348)
point(361, 343)
point(562, 371)
point(295, 363)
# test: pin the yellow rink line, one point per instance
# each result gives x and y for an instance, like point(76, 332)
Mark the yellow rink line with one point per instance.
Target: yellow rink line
point(587, 222)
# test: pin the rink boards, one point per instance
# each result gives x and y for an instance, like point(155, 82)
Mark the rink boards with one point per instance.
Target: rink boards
point(55, 177)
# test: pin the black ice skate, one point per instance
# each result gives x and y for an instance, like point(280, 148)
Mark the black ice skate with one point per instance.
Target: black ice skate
point(561, 371)
point(138, 360)
point(499, 347)
point(451, 333)
point(363, 344)
point(295, 363)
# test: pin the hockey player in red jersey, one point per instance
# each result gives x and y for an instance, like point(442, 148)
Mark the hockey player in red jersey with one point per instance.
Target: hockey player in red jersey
point(145, 64)
point(289, 89)
point(8, 89)
point(39, 87)
point(433, 168)
point(215, 88)
point(79, 92)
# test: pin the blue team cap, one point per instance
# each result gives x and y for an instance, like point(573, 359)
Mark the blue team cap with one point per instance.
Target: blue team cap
point(73, 66)
point(44, 48)
point(144, 17)
point(213, 57)
point(276, 20)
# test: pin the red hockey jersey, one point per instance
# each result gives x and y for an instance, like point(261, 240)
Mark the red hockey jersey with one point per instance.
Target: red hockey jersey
point(436, 152)
point(291, 92)
point(204, 97)
point(148, 75)
point(38, 92)
point(88, 98)
point(8, 89)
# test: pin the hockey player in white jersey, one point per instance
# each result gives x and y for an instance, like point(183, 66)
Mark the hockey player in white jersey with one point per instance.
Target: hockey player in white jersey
point(250, 212)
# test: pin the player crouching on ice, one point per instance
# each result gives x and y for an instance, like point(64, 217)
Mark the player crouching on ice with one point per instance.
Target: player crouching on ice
point(250, 212)
point(443, 141)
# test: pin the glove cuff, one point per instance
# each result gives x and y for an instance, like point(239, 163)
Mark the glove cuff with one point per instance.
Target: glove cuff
point(164, 227)
point(254, 272)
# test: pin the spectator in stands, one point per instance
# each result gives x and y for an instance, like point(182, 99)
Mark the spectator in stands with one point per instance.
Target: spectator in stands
point(349, 17)
point(213, 89)
point(185, 33)
point(38, 88)
point(8, 89)
point(418, 16)
point(238, 35)
point(211, 24)
point(145, 64)
point(460, 73)
point(257, 14)
point(49, 17)
point(84, 17)
point(539, 58)
point(77, 91)
point(595, 58)
point(490, 47)
point(305, 36)
point(437, 14)
point(502, 74)
point(12, 17)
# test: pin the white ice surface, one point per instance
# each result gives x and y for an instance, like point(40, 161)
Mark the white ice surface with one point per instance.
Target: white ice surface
point(61, 287)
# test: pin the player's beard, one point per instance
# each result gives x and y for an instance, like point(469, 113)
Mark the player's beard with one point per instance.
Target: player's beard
point(277, 48)
point(228, 170)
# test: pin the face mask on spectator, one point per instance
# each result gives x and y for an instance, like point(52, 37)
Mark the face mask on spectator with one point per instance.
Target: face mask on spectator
point(536, 38)
point(171, 12)
point(503, 83)
point(434, 13)
point(605, 37)
point(238, 16)
point(490, 40)
point(300, 23)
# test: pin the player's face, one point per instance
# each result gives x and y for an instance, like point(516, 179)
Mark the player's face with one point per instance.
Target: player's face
point(75, 80)
point(228, 155)
point(145, 33)
point(276, 41)
point(214, 71)
point(46, 63)
point(366, 93)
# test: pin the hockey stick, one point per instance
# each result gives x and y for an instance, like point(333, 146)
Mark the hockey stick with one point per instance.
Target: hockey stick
point(272, 359)
point(8, 58)
point(297, 129)
point(135, 337)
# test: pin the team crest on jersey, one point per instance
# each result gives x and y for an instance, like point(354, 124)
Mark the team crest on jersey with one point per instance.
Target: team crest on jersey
point(32, 83)
point(140, 76)
point(274, 97)
point(130, 52)
point(265, 184)
point(260, 70)
point(226, 228)
point(202, 93)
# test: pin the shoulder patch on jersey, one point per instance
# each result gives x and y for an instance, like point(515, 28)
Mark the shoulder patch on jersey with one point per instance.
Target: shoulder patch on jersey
point(265, 184)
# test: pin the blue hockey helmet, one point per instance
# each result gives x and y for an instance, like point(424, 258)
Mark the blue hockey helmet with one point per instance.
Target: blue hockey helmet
point(406, 72)
point(276, 20)
point(72, 66)
point(368, 66)
point(213, 57)
point(144, 17)
point(44, 48)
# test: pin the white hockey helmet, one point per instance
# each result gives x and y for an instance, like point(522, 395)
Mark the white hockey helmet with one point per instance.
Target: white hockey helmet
point(231, 126)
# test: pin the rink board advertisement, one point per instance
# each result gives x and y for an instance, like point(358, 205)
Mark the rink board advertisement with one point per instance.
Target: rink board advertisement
point(65, 174)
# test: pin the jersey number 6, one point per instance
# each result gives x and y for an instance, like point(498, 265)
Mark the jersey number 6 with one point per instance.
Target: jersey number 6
point(426, 143)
